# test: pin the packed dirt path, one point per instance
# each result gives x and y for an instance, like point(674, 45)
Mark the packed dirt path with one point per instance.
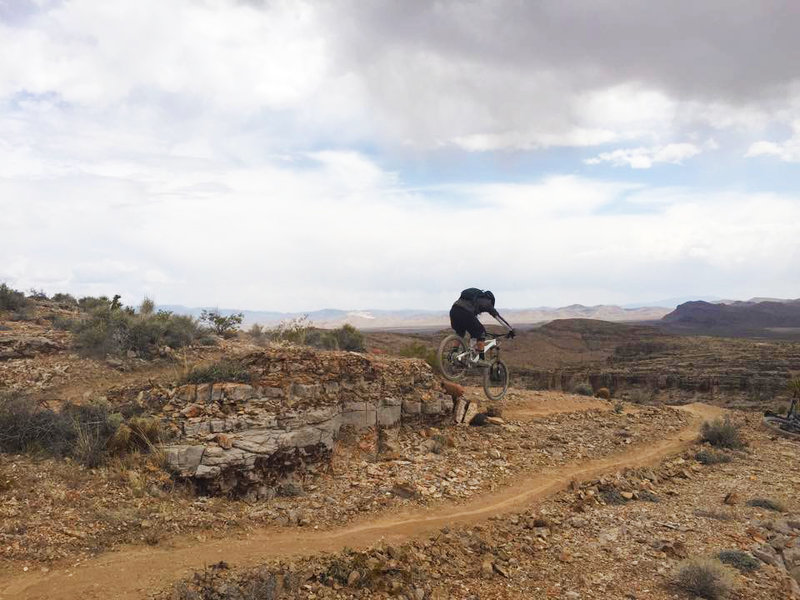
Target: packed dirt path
point(133, 573)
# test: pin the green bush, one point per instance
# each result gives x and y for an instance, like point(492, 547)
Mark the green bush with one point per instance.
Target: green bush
point(222, 371)
point(419, 350)
point(226, 326)
point(89, 303)
point(11, 299)
point(583, 389)
point(115, 331)
point(705, 577)
point(65, 300)
point(300, 331)
point(739, 560)
point(349, 338)
point(722, 434)
point(319, 338)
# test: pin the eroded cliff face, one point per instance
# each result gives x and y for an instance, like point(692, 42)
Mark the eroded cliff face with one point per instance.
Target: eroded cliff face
point(237, 438)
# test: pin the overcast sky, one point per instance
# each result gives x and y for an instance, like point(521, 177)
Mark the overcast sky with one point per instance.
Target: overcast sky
point(292, 156)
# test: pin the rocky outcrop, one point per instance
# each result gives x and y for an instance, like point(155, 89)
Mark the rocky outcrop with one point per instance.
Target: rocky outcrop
point(240, 438)
point(26, 347)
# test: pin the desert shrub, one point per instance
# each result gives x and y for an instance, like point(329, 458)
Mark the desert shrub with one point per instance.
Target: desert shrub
point(35, 294)
point(94, 425)
point(584, 389)
point(88, 433)
point(722, 434)
point(115, 331)
point(619, 407)
point(224, 325)
point(349, 338)
point(137, 433)
point(147, 307)
point(224, 370)
point(300, 331)
point(103, 331)
point(63, 323)
point(257, 333)
point(603, 393)
point(319, 338)
point(705, 577)
point(419, 350)
point(739, 560)
point(89, 303)
point(712, 457)
point(22, 314)
point(640, 396)
point(25, 426)
point(65, 300)
point(11, 299)
point(291, 330)
point(767, 503)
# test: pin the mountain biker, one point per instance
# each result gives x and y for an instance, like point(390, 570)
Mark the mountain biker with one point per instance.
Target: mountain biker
point(465, 311)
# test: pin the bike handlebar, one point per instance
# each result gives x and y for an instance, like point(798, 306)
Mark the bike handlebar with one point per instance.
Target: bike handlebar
point(508, 335)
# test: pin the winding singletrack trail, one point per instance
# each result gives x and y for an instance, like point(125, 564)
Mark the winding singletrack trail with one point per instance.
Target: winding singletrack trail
point(132, 573)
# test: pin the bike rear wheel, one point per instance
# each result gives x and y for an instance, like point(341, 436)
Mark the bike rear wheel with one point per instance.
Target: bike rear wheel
point(495, 380)
point(451, 347)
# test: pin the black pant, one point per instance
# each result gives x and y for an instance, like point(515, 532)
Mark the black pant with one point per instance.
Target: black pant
point(463, 320)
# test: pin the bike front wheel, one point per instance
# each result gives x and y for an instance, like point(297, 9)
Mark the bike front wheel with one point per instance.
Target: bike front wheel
point(451, 366)
point(495, 380)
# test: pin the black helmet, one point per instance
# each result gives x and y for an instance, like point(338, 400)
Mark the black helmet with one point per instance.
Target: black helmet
point(490, 296)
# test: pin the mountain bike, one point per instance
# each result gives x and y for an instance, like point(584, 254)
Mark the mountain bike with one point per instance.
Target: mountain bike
point(456, 358)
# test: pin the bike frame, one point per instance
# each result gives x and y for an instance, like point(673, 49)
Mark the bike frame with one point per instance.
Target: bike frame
point(492, 343)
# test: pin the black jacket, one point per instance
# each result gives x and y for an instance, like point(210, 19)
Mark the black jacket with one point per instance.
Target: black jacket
point(481, 304)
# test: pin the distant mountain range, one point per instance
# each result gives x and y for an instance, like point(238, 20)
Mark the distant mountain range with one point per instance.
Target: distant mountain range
point(758, 313)
point(426, 319)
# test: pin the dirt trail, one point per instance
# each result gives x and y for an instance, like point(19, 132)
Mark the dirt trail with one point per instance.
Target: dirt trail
point(134, 572)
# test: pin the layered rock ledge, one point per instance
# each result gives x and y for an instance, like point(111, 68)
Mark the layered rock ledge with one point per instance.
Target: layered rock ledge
point(247, 438)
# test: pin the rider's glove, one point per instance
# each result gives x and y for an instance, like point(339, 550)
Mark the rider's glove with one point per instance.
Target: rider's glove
point(512, 334)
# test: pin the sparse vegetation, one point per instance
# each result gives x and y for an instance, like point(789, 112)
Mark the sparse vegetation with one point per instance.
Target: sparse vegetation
point(107, 329)
point(65, 300)
point(705, 577)
point(256, 332)
point(224, 370)
point(89, 433)
point(739, 560)
point(224, 325)
point(619, 407)
point(722, 433)
point(583, 389)
point(419, 350)
point(300, 331)
point(603, 393)
point(11, 299)
point(767, 503)
point(712, 457)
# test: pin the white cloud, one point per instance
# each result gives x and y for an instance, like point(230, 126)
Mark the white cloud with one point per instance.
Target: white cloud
point(644, 158)
point(354, 236)
point(787, 151)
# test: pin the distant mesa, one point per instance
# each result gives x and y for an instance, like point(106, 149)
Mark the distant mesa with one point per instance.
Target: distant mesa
point(759, 314)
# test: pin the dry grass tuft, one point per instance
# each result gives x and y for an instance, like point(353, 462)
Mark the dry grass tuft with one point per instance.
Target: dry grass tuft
point(705, 577)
